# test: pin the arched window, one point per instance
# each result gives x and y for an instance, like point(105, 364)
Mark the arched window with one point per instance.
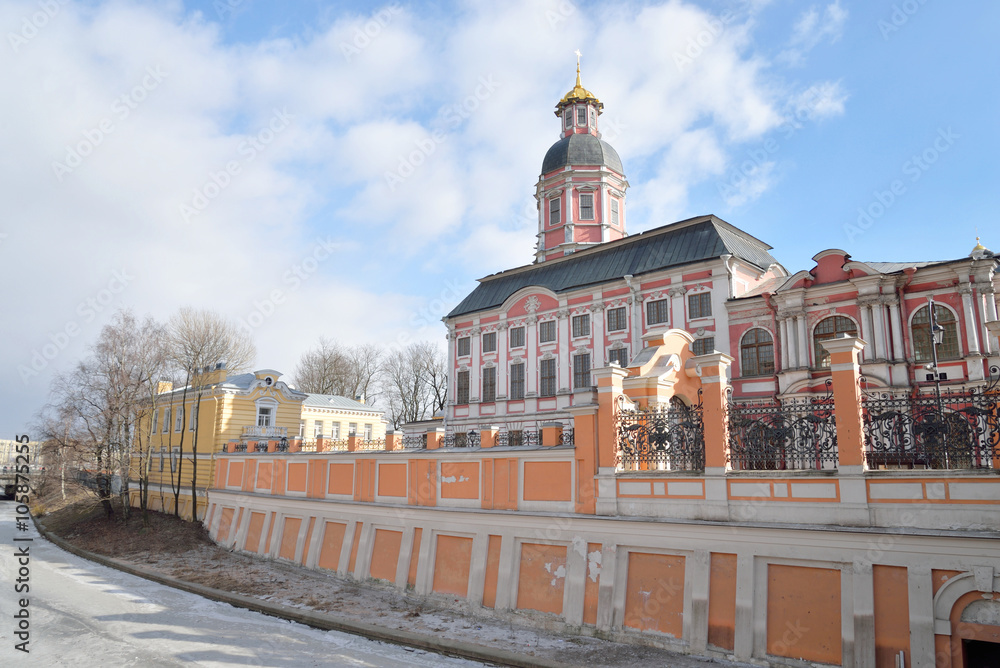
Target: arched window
point(757, 353)
point(827, 329)
point(920, 330)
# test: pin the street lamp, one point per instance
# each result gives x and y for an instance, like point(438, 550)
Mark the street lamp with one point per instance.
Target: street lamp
point(937, 338)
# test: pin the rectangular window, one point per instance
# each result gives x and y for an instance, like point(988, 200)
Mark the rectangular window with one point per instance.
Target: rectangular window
point(703, 346)
point(547, 331)
point(517, 381)
point(264, 416)
point(302, 428)
point(581, 115)
point(657, 312)
point(173, 459)
point(547, 380)
point(489, 384)
point(163, 455)
point(516, 337)
point(318, 428)
point(614, 211)
point(464, 347)
point(555, 212)
point(616, 319)
point(156, 419)
point(700, 305)
point(179, 419)
point(618, 356)
point(489, 342)
point(462, 388)
point(581, 370)
point(335, 431)
point(586, 206)
point(581, 325)
point(569, 118)
point(368, 432)
point(194, 419)
point(166, 419)
point(352, 428)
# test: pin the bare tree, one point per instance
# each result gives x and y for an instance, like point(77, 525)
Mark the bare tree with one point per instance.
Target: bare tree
point(330, 368)
point(198, 339)
point(97, 407)
point(414, 382)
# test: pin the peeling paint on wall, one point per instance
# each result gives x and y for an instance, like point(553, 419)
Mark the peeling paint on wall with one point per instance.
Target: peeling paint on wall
point(594, 565)
point(557, 574)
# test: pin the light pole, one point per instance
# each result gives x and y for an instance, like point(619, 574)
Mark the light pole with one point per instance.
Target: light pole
point(937, 338)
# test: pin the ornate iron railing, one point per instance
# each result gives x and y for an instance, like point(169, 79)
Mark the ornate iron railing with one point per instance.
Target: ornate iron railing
point(566, 437)
point(956, 430)
point(515, 438)
point(282, 445)
point(664, 438)
point(373, 444)
point(334, 444)
point(308, 445)
point(260, 446)
point(416, 442)
point(240, 447)
point(461, 439)
point(780, 435)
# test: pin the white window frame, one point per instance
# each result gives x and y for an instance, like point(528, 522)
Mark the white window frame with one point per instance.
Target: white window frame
point(179, 420)
point(555, 211)
point(590, 197)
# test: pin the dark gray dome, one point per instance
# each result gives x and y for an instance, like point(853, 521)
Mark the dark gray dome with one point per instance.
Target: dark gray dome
point(581, 149)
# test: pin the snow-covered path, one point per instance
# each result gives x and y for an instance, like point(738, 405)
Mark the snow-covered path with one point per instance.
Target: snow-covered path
point(84, 614)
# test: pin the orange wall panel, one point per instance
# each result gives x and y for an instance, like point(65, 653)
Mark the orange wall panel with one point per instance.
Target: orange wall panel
point(542, 578)
point(249, 475)
point(940, 577)
point(354, 546)
point(264, 475)
point(253, 532)
point(411, 576)
point(548, 481)
point(591, 584)
point(459, 480)
point(225, 522)
point(803, 613)
point(297, 477)
point(892, 616)
point(654, 593)
point(392, 480)
point(385, 553)
point(235, 478)
point(451, 565)
point(333, 541)
point(289, 536)
point(306, 545)
point(492, 572)
point(722, 601)
point(341, 480)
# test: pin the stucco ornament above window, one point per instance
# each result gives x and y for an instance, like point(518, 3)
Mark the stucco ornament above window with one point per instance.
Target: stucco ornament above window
point(531, 304)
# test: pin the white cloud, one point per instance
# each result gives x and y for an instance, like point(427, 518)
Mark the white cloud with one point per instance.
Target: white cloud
point(813, 27)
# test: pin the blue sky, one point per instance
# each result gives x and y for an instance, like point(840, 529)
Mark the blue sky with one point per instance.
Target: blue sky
point(348, 170)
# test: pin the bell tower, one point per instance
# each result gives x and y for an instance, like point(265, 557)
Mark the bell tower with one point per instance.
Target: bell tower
point(581, 190)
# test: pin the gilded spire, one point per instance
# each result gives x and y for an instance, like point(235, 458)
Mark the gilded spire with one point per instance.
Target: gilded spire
point(579, 93)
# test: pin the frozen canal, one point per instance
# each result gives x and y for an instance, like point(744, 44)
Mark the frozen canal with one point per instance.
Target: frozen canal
point(84, 614)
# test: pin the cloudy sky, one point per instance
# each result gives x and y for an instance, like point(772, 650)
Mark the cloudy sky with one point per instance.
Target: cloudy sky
point(349, 169)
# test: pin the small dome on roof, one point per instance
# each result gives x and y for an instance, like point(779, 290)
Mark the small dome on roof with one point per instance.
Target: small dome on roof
point(582, 149)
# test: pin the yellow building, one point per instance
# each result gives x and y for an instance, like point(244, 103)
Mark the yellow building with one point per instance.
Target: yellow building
point(334, 417)
point(213, 410)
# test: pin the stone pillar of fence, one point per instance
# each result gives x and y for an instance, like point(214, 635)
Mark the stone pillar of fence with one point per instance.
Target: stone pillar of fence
point(393, 440)
point(846, 373)
point(551, 433)
point(585, 455)
point(352, 442)
point(295, 445)
point(272, 446)
point(488, 436)
point(320, 444)
point(609, 389)
point(712, 369)
point(434, 437)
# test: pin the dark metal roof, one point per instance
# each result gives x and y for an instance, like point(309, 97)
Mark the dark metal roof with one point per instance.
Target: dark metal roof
point(672, 245)
point(581, 149)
